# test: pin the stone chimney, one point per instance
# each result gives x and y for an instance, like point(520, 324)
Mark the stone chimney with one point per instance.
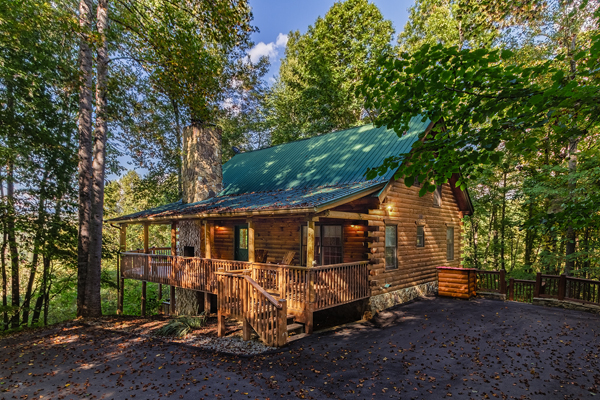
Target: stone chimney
point(202, 173)
point(202, 178)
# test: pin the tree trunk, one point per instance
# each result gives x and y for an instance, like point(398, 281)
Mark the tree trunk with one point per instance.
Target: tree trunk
point(571, 234)
point(37, 242)
point(49, 251)
point(92, 292)
point(503, 223)
point(3, 264)
point(47, 296)
point(85, 153)
point(529, 240)
point(474, 229)
point(12, 245)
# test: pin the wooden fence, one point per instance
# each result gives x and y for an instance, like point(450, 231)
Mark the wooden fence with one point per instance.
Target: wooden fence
point(560, 287)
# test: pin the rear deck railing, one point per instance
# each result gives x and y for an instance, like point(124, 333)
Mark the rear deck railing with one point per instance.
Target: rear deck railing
point(560, 287)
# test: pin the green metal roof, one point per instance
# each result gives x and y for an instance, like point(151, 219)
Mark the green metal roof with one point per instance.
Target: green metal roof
point(335, 158)
point(309, 173)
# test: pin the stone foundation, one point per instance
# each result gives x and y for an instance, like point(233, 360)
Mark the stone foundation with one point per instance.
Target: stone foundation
point(569, 305)
point(491, 295)
point(390, 299)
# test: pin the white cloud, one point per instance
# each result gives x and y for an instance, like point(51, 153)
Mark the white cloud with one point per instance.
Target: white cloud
point(270, 49)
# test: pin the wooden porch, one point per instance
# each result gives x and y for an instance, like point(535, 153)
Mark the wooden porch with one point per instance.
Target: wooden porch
point(259, 294)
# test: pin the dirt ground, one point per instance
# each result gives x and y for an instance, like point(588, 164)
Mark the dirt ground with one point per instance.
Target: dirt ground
point(429, 349)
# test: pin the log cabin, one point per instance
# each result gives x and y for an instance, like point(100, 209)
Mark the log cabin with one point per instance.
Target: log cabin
point(283, 232)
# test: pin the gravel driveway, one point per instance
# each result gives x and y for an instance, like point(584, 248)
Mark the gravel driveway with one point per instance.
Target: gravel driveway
point(430, 349)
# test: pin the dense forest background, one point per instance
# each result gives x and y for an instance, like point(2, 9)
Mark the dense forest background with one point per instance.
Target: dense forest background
point(535, 192)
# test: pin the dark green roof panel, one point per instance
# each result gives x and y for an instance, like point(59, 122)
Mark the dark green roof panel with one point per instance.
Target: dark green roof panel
point(332, 159)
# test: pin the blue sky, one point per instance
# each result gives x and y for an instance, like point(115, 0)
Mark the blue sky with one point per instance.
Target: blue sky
point(275, 18)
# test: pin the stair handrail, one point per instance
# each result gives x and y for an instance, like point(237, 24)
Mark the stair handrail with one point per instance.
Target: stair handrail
point(276, 334)
point(262, 291)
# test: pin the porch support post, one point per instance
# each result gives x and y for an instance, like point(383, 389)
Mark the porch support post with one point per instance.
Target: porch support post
point(310, 244)
point(209, 228)
point(146, 237)
point(250, 240)
point(173, 253)
point(146, 251)
point(122, 248)
point(310, 256)
point(207, 303)
point(208, 234)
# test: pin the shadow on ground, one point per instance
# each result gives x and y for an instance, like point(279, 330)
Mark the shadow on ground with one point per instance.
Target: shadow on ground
point(430, 349)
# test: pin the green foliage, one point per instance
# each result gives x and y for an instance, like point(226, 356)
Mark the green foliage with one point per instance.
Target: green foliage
point(464, 23)
point(181, 326)
point(530, 114)
point(315, 89)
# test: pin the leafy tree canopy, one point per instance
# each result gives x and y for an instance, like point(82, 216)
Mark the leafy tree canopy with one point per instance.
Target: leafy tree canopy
point(315, 89)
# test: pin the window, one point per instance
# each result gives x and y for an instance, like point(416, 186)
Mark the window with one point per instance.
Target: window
point(420, 236)
point(328, 244)
point(243, 239)
point(437, 196)
point(391, 246)
point(331, 244)
point(450, 243)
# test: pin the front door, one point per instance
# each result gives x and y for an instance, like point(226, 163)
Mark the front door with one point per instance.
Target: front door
point(241, 243)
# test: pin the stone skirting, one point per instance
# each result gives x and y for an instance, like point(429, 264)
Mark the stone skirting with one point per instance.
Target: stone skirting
point(569, 305)
point(390, 299)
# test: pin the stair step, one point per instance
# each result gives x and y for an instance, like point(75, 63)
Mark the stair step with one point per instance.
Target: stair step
point(297, 337)
point(294, 326)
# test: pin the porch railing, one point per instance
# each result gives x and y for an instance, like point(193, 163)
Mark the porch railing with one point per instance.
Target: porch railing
point(239, 296)
point(304, 289)
point(185, 272)
point(340, 284)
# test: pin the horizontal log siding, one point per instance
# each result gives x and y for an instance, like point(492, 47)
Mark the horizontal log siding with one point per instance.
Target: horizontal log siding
point(223, 240)
point(355, 241)
point(416, 265)
point(278, 236)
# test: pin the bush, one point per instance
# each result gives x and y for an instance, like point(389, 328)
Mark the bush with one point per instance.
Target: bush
point(181, 326)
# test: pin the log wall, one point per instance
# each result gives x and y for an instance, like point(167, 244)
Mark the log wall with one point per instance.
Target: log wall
point(416, 265)
point(280, 235)
point(457, 282)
